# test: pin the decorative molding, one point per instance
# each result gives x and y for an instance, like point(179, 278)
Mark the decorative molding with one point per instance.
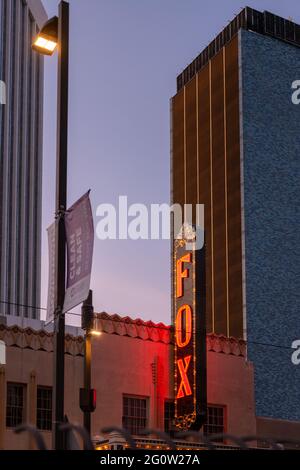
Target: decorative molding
point(222, 344)
point(126, 326)
point(27, 338)
point(159, 332)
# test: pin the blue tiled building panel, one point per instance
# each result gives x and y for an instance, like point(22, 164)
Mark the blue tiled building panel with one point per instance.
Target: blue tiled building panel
point(271, 153)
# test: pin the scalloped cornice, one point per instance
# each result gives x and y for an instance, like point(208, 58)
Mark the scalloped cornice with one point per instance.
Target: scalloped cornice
point(27, 338)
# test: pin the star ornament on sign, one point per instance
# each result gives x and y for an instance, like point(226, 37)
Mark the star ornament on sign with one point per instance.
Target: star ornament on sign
point(189, 233)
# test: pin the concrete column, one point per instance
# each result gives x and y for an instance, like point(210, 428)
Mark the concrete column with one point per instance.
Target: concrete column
point(153, 422)
point(160, 395)
point(2, 406)
point(31, 405)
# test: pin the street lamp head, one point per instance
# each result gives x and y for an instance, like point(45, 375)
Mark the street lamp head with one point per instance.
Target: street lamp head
point(95, 333)
point(47, 39)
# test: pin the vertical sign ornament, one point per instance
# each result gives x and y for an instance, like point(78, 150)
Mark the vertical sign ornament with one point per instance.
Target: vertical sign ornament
point(189, 334)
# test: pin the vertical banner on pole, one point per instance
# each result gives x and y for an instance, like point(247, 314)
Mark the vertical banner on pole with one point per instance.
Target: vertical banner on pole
point(80, 242)
point(2, 353)
point(52, 272)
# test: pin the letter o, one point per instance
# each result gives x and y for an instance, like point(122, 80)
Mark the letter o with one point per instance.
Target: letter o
point(188, 326)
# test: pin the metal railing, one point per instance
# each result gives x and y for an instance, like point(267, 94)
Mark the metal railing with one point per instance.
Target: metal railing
point(189, 439)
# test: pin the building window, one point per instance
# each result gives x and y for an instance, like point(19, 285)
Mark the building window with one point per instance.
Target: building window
point(44, 408)
point(15, 405)
point(134, 414)
point(215, 420)
point(169, 413)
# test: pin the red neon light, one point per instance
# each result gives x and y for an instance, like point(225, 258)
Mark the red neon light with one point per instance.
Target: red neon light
point(185, 384)
point(188, 326)
point(181, 274)
point(94, 398)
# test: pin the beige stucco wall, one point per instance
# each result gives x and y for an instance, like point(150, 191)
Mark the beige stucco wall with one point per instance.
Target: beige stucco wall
point(34, 368)
point(231, 383)
point(122, 365)
point(125, 365)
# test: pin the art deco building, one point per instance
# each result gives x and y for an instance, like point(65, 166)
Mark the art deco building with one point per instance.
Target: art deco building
point(235, 148)
point(132, 375)
point(21, 119)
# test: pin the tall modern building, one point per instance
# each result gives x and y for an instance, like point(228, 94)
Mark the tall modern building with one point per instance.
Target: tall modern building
point(235, 148)
point(20, 157)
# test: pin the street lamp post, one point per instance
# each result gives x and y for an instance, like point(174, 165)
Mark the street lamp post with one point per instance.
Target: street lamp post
point(56, 33)
point(87, 394)
point(87, 324)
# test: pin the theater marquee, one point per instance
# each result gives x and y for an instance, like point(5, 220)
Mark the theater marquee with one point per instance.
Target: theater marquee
point(190, 335)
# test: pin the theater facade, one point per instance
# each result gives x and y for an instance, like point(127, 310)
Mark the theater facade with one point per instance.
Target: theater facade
point(132, 372)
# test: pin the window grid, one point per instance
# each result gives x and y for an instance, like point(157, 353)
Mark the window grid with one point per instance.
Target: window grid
point(215, 420)
point(44, 409)
point(14, 405)
point(134, 414)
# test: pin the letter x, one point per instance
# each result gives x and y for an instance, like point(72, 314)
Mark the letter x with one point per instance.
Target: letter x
point(185, 385)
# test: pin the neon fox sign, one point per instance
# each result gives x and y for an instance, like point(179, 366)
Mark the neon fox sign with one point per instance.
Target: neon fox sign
point(189, 336)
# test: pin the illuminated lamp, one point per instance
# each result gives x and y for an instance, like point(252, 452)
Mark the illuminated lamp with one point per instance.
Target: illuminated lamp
point(47, 39)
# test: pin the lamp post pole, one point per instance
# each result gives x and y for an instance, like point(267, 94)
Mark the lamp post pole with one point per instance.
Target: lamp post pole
point(87, 319)
point(87, 378)
point(61, 205)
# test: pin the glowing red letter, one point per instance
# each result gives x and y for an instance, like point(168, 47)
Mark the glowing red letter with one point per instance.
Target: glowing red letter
point(185, 385)
point(181, 274)
point(188, 326)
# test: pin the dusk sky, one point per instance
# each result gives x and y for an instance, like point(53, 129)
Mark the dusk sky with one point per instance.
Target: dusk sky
point(124, 59)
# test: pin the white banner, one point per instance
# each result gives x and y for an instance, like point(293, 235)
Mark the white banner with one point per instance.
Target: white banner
point(2, 353)
point(80, 242)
